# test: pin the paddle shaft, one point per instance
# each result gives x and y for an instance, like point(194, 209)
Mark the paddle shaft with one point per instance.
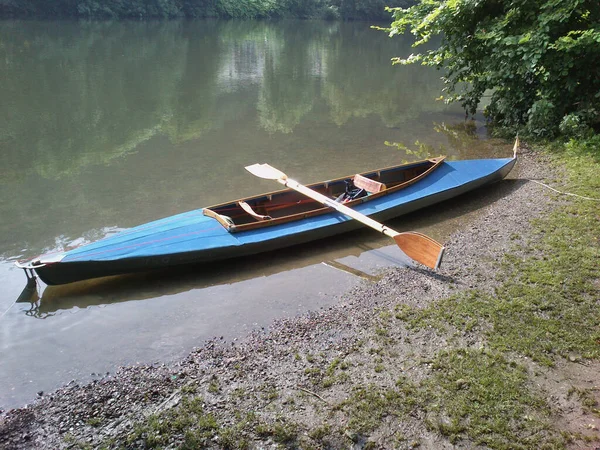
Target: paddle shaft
point(415, 245)
point(293, 184)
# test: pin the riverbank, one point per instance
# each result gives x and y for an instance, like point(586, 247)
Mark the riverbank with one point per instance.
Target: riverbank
point(496, 350)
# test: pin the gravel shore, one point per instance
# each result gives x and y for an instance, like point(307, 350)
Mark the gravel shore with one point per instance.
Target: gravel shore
point(274, 373)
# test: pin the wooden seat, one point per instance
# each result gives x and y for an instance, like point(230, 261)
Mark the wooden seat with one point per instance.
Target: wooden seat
point(224, 220)
point(246, 207)
point(367, 184)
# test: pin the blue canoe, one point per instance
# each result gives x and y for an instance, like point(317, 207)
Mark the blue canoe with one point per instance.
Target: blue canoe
point(268, 221)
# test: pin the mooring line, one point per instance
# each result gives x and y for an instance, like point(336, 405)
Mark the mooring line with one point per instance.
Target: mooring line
point(4, 313)
point(565, 193)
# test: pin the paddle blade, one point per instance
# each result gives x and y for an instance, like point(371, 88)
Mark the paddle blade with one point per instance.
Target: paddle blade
point(266, 171)
point(421, 248)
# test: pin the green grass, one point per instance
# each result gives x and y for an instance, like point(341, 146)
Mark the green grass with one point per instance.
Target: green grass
point(586, 397)
point(282, 431)
point(367, 406)
point(94, 421)
point(188, 419)
point(213, 386)
point(481, 396)
point(547, 306)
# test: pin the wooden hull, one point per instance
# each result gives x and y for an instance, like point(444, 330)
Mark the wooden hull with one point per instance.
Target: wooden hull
point(193, 237)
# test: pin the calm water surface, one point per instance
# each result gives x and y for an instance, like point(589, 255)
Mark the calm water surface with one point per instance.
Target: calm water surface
point(108, 125)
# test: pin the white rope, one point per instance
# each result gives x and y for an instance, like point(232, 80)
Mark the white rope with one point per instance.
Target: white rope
point(566, 193)
point(4, 313)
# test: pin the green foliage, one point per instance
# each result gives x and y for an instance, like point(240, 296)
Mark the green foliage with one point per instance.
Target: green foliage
point(229, 9)
point(132, 8)
point(247, 9)
point(308, 9)
point(535, 56)
point(372, 9)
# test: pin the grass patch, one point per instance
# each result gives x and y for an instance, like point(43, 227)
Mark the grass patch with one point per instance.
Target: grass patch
point(187, 423)
point(479, 395)
point(336, 364)
point(320, 433)
point(548, 304)
point(213, 385)
point(367, 406)
point(235, 436)
point(586, 397)
point(282, 431)
point(546, 307)
point(269, 393)
point(94, 421)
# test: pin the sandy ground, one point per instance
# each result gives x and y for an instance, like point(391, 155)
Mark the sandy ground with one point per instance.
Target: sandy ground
point(238, 376)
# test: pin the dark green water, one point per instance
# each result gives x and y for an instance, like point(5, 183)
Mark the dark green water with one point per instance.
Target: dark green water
point(114, 124)
point(109, 125)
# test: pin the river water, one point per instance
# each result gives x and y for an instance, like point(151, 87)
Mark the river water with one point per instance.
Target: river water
point(107, 125)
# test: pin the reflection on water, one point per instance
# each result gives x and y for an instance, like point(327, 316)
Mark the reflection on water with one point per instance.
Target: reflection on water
point(115, 124)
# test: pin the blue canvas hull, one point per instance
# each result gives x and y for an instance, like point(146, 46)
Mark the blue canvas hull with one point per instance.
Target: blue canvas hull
point(193, 237)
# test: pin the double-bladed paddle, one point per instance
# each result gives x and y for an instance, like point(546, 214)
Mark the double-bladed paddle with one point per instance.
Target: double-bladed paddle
point(417, 246)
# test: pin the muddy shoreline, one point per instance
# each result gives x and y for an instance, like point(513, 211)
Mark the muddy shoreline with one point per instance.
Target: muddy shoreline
point(281, 373)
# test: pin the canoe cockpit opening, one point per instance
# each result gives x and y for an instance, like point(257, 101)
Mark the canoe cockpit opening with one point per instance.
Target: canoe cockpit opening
point(288, 205)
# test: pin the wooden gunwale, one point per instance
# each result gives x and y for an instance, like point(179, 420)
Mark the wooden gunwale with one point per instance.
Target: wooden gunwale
point(212, 211)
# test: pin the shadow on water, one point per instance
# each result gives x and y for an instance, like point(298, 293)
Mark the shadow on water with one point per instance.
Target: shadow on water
point(439, 221)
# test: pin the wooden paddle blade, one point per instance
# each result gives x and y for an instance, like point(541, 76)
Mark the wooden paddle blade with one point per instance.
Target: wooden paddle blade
point(421, 248)
point(266, 171)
